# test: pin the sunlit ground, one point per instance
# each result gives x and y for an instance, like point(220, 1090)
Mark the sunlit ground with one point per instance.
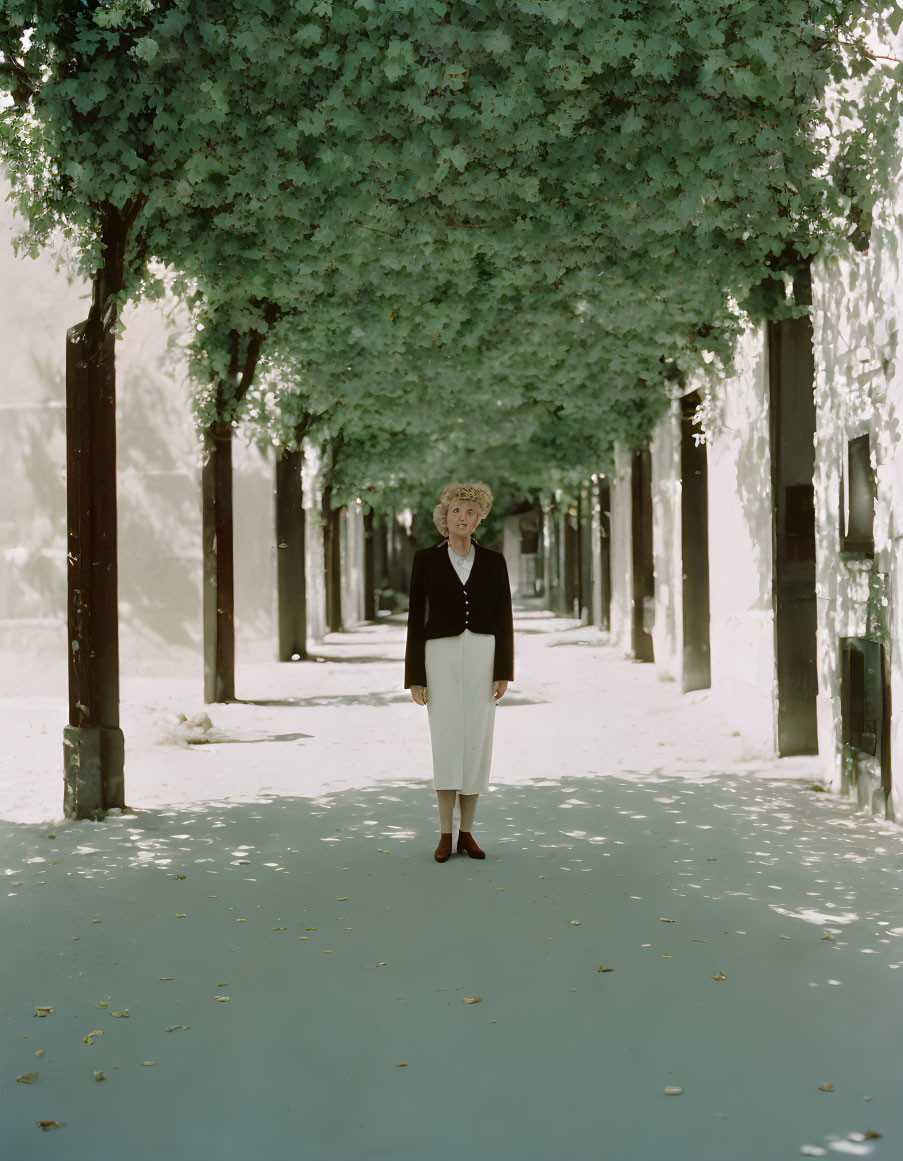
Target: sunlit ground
point(274, 966)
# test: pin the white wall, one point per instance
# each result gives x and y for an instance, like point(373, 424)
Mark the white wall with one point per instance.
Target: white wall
point(159, 505)
point(857, 318)
point(740, 546)
point(352, 542)
point(667, 632)
point(314, 561)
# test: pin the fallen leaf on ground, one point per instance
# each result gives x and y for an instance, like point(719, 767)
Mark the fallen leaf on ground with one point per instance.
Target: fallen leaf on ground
point(385, 963)
point(45, 1125)
point(180, 876)
point(147, 1063)
point(600, 968)
point(177, 1026)
point(826, 1087)
point(830, 938)
point(673, 1090)
point(99, 1076)
point(785, 937)
point(870, 1135)
point(89, 1039)
point(575, 922)
point(222, 999)
point(662, 920)
point(280, 929)
point(123, 1015)
point(43, 1010)
point(720, 976)
point(181, 915)
point(471, 999)
point(401, 1066)
point(27, 1078)
point(104, 1005)
point(40, 1052)
point(382, 852)
point(341, 898)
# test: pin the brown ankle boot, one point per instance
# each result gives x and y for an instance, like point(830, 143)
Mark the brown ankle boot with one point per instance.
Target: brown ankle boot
point(467, 845)
point(442, 852)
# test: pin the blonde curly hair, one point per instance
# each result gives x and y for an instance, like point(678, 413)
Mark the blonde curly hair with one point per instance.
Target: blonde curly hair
point(478, 493)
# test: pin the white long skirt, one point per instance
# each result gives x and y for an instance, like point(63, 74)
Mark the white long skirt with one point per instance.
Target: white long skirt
point(461, 710)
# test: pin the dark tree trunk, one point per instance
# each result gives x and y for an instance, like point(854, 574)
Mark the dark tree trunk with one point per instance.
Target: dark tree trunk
point(219, 575)
point(570, 561)
point(332, 556)
point(605, 552)
point(369, 569)
point(380, 551)
point(93, 745)
point(216, 519)
point(643, 560)
point(694, 547)
point(291, 587)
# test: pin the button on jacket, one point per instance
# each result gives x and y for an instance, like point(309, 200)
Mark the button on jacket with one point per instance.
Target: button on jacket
point(441, 606)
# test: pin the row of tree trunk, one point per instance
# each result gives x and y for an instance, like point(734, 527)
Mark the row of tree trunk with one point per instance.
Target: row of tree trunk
point(93, 744)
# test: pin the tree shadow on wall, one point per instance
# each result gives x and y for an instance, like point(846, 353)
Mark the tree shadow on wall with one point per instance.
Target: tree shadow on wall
point(159, 512)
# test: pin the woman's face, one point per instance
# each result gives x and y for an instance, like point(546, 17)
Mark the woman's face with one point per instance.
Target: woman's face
point(463, 517)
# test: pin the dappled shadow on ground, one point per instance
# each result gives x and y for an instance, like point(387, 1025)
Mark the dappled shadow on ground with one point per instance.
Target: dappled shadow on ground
point(558, 644)
point(337, 699)
point(372, 699)
point(222, 741)
point(307, 959)
point(366, 660)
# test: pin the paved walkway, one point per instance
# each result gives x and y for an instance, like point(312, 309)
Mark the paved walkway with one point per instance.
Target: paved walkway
point(280, 970)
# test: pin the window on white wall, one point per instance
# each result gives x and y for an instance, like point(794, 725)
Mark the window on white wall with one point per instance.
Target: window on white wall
point(857, 498)
point(862, 694)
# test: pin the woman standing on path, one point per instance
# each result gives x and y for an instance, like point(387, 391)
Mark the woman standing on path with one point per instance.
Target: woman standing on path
point(459, 656)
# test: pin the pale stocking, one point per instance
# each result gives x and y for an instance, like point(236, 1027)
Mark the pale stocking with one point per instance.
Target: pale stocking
point(446, 808)
point(468, 810)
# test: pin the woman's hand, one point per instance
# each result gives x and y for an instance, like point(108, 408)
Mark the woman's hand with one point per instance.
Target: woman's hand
point(417, 694)
point(498, 689)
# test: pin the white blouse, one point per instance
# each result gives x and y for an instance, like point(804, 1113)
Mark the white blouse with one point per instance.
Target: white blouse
point(463, 564)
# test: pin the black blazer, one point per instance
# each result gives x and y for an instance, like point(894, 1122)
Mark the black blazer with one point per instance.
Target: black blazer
point(441, 606)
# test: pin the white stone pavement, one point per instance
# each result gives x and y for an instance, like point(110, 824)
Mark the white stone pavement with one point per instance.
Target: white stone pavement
point(278, 967)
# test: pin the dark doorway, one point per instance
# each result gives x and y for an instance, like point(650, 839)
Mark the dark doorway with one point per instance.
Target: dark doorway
point(694, 547)
point(791, 379)
point(643, 563)
point(865, 717)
